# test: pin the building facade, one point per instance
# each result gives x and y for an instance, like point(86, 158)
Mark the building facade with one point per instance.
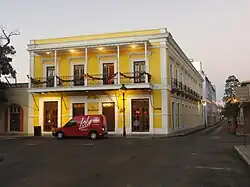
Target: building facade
point(84, 75)
point(210, 107)
point(14, 112)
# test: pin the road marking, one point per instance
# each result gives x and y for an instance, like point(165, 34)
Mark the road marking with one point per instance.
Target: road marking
point(31, 144)
point(218, 129)
point(215, 137)
point(212, 168)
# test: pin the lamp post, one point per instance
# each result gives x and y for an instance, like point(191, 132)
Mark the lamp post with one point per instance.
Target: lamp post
point(123, 89)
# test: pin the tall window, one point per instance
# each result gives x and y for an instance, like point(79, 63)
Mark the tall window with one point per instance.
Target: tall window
point(50, 73)
point(178, 115)
point(173, 115)
point(108, 72)
point(78, 75)
point(139, 68)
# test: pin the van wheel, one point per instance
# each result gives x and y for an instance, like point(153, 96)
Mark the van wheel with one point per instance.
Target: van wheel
point(60, 135)
point(93, 135)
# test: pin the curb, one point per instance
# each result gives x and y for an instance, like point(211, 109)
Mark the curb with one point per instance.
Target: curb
point(242, 156)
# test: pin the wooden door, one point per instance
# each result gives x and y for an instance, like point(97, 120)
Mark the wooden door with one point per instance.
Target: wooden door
point(140, 115)
point(50, 119)
point(108, 110)
point(108, 71)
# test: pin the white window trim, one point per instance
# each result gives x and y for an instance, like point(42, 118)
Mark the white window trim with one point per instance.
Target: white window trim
point(151, 114)
point(72, 64)
point(106, 62)
point(41, 110)
point(114, 100)
point(132, 67)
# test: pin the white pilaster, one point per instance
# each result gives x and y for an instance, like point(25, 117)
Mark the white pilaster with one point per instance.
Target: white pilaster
point(164, 82)
point(31, 68)
point(56, 68)
point(118, 64)
point(86, 64)
point(146, 61)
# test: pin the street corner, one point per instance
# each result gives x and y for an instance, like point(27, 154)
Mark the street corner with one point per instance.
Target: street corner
point(244, 153)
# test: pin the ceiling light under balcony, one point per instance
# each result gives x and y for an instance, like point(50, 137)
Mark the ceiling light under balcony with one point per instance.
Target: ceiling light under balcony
point(100, 48)
point(72, 50)
point(133, 46)
point(48, 53)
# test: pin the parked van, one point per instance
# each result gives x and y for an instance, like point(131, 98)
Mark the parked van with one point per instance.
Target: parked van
point(92, 126)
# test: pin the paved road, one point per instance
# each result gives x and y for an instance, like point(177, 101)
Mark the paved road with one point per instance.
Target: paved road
point(203, 159)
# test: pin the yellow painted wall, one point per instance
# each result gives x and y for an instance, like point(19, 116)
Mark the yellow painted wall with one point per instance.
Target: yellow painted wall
point(157, 104)
point(98, 36)
point(93, 108)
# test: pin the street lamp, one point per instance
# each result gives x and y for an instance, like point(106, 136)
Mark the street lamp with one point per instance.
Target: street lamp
point(123, 89)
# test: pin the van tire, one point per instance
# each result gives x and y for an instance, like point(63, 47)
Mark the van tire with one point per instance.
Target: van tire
point(60, 135)
point(93, 135)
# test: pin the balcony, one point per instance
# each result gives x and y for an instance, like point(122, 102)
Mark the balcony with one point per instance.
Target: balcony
point(174, 85)
point(91, 82)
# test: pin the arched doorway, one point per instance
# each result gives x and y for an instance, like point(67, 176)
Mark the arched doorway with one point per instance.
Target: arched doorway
point(14, 118)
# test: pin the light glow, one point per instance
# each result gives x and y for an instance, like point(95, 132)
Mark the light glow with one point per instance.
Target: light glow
point(72, 50)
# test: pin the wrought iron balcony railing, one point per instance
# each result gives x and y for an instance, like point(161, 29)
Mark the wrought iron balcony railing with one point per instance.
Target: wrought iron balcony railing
point(90, 80)
point(174, 84)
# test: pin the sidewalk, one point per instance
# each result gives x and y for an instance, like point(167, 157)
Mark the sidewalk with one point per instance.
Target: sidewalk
point(182, 132)
point(244, 153)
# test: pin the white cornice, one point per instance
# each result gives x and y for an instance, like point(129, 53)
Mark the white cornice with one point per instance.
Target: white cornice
point(180, 53)
point(97, 42)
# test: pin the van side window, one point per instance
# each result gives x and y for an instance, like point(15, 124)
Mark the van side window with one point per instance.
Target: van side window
point(71, 123)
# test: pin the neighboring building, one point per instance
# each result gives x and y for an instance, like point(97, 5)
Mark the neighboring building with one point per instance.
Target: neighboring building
point(210, 108)
point(243, 96)
point(83, 75)
point(14, 112)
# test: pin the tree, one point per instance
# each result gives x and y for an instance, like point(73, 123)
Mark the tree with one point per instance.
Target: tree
point(6, 53)
point(231, 104)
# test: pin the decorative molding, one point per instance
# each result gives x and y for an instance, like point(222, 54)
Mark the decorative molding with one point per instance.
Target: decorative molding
point(138, 53)
point(97, 42)
point(70, 58)
point(106, 55)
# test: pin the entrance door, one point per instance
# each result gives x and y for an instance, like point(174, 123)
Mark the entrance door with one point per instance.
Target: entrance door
point(50, 119)
point(50, 74)
point(15, 118)
point(140, 115)
point(139, 67)
point(78, 75)
point(78, 109)
point(108, 110)
point(108, 71)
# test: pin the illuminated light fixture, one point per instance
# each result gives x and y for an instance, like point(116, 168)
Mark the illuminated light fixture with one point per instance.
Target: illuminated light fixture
point(100, 48)
point(48, 53)
point(72, 50)
point(42, 93)
point(107, 104)
point(133, 46)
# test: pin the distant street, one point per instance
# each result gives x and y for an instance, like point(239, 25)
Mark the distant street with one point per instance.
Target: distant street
point(203, 159)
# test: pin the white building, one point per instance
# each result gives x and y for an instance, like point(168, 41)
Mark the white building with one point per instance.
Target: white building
point(210, 109)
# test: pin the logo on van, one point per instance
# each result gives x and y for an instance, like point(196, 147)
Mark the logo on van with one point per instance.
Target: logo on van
point(86, 122)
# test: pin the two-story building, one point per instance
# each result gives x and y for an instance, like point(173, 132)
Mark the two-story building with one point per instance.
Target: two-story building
point(84, 75)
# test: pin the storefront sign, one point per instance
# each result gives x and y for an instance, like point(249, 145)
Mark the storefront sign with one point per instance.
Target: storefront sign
point(157, 108)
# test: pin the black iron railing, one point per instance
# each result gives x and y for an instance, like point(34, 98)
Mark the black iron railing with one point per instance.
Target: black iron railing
point(91, 80)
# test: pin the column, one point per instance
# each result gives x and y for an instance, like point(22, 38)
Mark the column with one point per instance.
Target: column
point(118, 65)
point(86, 66)
point(56, 69)
point(146, 61)
point(31, 68)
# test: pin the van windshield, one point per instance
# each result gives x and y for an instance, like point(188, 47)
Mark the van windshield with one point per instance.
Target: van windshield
point(71, 123)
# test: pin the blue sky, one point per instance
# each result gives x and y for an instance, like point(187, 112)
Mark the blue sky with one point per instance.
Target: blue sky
point(215, 32)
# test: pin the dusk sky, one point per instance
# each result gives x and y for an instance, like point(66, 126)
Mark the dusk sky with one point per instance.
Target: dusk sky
point(216, 32)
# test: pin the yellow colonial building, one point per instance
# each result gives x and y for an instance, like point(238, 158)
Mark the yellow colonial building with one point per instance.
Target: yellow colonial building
point(90, 75)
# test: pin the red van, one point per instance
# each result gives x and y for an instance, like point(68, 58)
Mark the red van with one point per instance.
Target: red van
point(92, 126)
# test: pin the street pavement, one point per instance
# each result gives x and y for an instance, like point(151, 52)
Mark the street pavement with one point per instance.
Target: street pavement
point(204, 159)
